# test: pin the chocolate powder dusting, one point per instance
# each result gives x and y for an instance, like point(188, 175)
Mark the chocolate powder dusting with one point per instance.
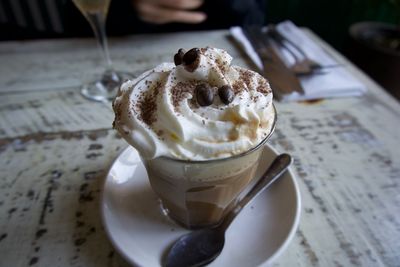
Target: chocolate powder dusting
point(118, 113)
point(238, 86)
point(221, 65)
point(160, 133)
point(146, 105)
point(263, 87)
point(246, 77)
point(179, 92)
point(203, 50)
point(245, 81)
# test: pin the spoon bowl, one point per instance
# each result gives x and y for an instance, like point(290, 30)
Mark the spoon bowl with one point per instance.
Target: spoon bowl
point(209, 244)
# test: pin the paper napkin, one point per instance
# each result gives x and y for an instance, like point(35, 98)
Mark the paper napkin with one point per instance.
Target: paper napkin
point(333, 80)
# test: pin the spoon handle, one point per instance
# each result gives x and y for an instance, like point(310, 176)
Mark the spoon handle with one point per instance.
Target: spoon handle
point(275, 170)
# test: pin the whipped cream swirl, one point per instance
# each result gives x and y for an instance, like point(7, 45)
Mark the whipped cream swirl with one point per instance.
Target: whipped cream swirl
point(157, 113)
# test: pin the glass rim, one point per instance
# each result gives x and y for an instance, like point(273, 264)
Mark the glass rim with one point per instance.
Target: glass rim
point(231, 157)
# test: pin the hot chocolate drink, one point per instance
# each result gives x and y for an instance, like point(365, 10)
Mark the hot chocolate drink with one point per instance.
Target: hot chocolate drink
point(198, 124)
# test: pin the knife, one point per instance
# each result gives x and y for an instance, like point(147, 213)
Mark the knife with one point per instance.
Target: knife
point(282, 80)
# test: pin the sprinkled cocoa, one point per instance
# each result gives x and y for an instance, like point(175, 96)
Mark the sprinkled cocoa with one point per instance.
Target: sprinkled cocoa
point(180, 91)
point(263, 87)
point(146, 105)
point(221, 65)
point(160, 133)
point(238, 86)
point(246, 77)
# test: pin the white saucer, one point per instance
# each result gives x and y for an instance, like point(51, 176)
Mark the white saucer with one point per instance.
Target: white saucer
point(141, 233)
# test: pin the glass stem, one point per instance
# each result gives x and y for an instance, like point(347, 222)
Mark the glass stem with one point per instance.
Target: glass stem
point(98, 22)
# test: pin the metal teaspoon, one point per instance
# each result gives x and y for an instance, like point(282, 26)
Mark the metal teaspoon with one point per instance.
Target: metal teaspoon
point(201, 247)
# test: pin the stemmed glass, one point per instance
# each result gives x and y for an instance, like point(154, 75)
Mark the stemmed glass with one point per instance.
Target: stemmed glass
point(104, 86)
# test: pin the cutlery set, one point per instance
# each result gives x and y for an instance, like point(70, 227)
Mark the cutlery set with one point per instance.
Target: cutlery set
point(284, 79)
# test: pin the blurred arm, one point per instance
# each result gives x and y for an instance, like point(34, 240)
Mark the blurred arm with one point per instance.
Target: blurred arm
point(167, 11)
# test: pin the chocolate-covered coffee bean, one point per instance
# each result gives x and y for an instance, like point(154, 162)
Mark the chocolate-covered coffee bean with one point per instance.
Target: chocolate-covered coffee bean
point(204, 95)
point(191, 59)
point(178, 57)
point(226, 94)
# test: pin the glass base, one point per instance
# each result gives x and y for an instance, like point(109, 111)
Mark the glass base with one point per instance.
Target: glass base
point(104, 87)
point(167, 214)
point(164, 210)
point(170, 216)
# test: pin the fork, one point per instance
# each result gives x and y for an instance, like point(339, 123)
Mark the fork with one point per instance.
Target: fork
point(282, 79)
point(303, 65)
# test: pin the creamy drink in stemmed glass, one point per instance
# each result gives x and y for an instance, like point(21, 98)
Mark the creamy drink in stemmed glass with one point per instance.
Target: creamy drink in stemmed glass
point(105, 85)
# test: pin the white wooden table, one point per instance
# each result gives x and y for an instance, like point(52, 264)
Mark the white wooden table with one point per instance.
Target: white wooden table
point(55, 148)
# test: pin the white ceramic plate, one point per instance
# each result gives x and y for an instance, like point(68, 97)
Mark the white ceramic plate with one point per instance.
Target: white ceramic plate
point(141, 233)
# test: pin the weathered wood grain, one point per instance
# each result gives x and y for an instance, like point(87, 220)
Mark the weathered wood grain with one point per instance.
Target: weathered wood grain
point(49, 206)
point(39, 65)
point(66, 110)
point(349, 182)
point(55, 148)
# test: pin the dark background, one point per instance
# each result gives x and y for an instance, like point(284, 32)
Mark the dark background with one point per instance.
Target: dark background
point(331, 19)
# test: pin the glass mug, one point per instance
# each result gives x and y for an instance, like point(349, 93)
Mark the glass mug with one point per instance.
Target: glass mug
point(199, 194)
